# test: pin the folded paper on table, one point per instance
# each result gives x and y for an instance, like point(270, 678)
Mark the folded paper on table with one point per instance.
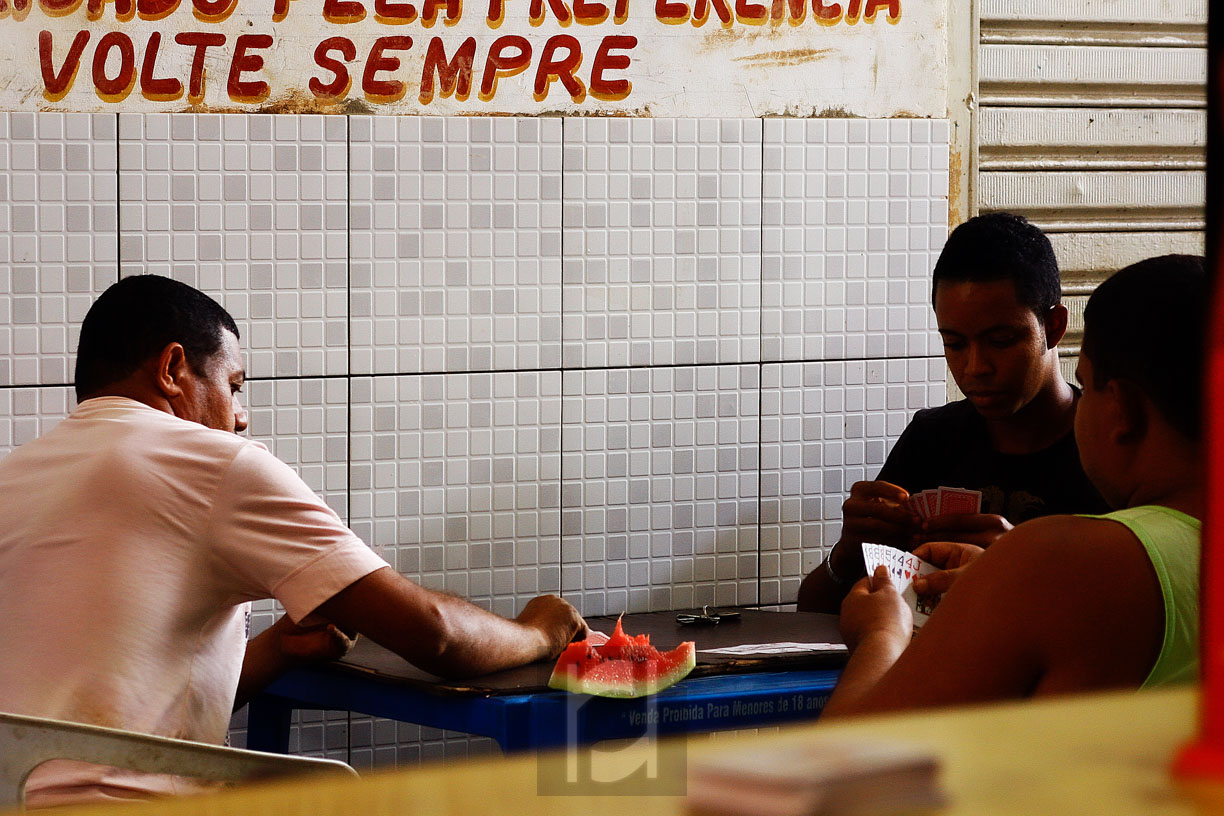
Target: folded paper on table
point(775, 648)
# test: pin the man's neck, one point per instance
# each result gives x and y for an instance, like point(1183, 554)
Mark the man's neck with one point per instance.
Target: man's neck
point(1168, 471)
point(1047, 418)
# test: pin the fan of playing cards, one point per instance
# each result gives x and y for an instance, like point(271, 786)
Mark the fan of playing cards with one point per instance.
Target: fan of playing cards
point(956, 500)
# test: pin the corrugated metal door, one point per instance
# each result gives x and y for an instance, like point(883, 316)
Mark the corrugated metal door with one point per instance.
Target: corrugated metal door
point(1091, 121)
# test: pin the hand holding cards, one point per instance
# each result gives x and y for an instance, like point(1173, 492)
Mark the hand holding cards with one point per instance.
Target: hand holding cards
point(903, 568)
point(950, 500)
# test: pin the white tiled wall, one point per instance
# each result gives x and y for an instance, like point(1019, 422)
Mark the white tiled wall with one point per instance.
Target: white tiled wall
point(637, 362)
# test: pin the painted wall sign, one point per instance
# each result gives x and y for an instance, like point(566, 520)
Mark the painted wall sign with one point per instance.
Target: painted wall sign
point(735, 58)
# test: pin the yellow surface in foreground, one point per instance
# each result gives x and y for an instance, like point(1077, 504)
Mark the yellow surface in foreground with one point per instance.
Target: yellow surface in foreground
point(1087, 754)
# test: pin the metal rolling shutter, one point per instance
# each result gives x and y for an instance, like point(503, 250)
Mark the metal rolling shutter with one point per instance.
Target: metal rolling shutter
point(1091, 122)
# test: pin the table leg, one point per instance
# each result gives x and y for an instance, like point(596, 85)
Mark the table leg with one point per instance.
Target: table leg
point(268, 718)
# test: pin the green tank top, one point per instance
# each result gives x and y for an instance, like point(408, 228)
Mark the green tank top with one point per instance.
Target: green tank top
point(1171, 539)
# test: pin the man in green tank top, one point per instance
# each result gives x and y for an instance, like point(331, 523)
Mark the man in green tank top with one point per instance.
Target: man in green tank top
point(1070, 603)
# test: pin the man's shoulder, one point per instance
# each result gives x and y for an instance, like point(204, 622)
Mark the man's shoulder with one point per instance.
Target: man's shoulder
point(130, 429)
point(1068, 549)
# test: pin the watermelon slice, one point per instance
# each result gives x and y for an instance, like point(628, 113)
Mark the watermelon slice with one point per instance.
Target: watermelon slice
point(623, 667)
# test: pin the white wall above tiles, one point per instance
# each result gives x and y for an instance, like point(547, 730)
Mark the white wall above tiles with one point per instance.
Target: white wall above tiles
point(636, 362)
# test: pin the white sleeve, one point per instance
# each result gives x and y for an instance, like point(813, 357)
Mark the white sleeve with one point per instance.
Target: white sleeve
point(273, 537)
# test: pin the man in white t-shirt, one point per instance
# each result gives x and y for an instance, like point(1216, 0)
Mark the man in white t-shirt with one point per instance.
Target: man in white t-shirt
point(134, 532)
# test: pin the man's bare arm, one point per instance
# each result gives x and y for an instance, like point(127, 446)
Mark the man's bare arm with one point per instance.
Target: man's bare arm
point(449, 636)
point(1059, 604)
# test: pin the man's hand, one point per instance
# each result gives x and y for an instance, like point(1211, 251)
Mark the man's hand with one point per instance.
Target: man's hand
point(875, 512)
point(951, 557)
point(307, 644)
point(284, 645)
point(557, 622)
point(874, 609)
point(980, 529)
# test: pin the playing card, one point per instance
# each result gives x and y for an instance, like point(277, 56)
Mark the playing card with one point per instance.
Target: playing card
point(958, 500)
point(903, 568)
point(930, 499)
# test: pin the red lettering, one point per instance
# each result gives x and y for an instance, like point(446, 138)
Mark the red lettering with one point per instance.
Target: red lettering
point(495, 17)
point(384, 90)
point(429, 11)
point(562, 69)
point(536, 12)
point(610, 90)
point(454, 77)
point(750, 13)
point(213, 11)
point(621, 12)
point(201, 42)
point(853, 8)
point(394, 13)
point(869, 13)
point(671, 12)
point(826, 15)
point(798, 10)
point(155, 9)
point(117, 88)
point(339, 86)
point(163, 89)
point(55, 8)
point(343, 11)
point(57, 84)
point(498, 64)
point(256, 90)
point(124, 10)
point(702, 9)
point(589, 13)
point(280, 10)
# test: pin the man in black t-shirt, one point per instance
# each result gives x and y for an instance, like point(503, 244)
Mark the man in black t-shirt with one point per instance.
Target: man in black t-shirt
point(996, 294)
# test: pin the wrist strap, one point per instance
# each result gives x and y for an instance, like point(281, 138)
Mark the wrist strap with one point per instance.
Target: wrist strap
point(828, 568)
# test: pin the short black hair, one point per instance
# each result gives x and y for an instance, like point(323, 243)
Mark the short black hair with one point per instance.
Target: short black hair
point(1002, 246)
point(1147, 324)
point(134, 319)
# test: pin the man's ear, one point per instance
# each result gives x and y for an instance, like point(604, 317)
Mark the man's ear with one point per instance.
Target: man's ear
point(1055, 325)
point(1131, 411)
point(170, 366)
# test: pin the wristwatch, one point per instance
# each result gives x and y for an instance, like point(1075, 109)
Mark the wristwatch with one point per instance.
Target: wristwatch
point(828, 568)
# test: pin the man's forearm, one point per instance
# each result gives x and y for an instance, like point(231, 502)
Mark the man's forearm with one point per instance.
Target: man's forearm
point(869, 662)
point(439, 633)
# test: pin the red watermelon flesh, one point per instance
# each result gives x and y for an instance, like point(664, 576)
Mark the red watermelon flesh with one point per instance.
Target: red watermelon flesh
point(625, 666)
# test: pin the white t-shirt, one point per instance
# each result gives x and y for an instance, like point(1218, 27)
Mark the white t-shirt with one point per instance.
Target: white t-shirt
point(130, 542)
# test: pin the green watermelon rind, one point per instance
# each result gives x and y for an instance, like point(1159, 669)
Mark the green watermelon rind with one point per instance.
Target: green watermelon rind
point(563, 680)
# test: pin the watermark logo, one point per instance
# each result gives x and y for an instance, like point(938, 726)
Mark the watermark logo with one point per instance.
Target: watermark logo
point(635, 766)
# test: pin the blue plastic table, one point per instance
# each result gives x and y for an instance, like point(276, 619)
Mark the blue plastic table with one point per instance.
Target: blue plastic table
point(520, 713)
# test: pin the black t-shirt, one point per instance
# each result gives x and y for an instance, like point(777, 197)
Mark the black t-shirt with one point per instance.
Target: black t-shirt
point(949, 447)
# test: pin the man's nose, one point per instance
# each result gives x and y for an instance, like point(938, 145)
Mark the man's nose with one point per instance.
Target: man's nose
point(240, 417)
point(978, 362)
